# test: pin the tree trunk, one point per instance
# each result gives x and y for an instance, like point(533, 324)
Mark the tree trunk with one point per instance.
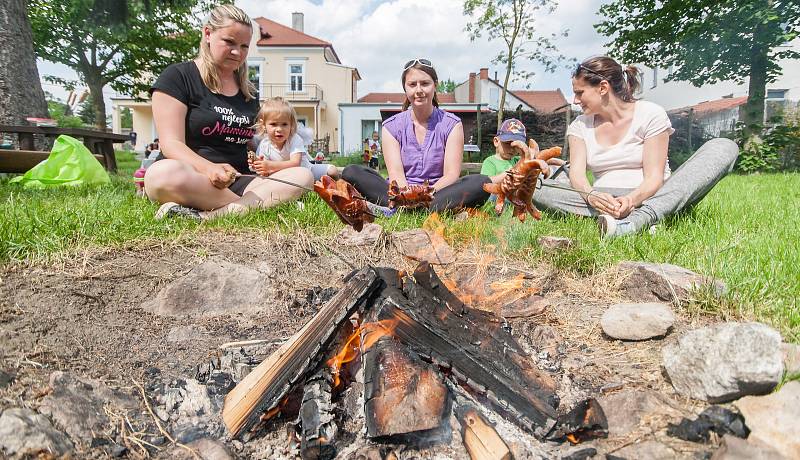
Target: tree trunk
point(502, 104)
point(21, 93)
point(96, 95)
point(753, 115)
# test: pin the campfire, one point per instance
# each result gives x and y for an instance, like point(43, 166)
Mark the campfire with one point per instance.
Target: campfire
point(415, 346)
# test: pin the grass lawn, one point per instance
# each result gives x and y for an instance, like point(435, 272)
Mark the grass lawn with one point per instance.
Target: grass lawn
point(744, 232)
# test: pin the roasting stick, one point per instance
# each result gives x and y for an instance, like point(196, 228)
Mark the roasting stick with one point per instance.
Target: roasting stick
point(296, 185)
point(570, 189)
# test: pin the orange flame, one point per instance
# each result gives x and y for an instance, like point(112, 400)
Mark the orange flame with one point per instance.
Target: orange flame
point(473, 293)
point(371, 333)
point(434, 224)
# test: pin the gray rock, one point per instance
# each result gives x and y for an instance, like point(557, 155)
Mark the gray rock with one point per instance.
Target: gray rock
point(23, 430)
point(774, 420)
point(207, 449)
point(733, 448)
point(663, 282)
point(724, 362)
point(791, 358)
point(625, 410)
point(366, 237)
point(637, 321)
point(192, 413)
point(215, 287)
point(555, 243)
point(423, 246)
point(650, 450)
point(77, 405)
point(185, 334)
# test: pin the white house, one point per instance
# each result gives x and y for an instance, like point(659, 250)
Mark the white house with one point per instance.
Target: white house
point(677, 94)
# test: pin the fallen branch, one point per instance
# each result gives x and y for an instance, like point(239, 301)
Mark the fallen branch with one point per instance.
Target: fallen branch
point(160, 428)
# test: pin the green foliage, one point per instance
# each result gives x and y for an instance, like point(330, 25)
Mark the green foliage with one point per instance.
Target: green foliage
point(514, 21)
point(706, 41)
point(58, 112)
point(446, 86)
point(87, 36)
point(88, 114)
point(126, 118)
point(777, 148)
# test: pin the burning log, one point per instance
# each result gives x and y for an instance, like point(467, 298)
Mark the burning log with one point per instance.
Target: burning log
point(480, 438)
point(585, 421)
point(473, 345)
point(264, 388)
point(402, 394)
point(317, 425)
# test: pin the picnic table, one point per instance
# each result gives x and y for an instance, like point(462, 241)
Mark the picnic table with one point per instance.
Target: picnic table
point(100, 143)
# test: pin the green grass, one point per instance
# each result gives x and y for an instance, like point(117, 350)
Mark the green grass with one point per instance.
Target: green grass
point(744, 232)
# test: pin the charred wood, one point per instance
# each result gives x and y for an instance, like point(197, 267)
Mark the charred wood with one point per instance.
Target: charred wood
point(262, 390)
point(473, 345)
point(585, 421)
point(402, 393)
point(480, 438)
point(316, 419)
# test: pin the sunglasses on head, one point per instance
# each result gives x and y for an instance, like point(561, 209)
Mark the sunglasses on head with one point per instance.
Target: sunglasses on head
point(583, 67)
point(422, 62)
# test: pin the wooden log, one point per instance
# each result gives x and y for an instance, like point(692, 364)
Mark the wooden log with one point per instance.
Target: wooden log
point(475, 346)
point(402, 394)
point(316, 419)
point(262, 390)
point(479, 437)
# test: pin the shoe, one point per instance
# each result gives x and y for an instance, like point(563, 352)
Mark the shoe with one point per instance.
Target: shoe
point(613, 228)
point(379, 210)
point(171, 209)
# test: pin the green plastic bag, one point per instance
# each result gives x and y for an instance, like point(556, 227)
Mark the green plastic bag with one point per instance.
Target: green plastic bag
point(69, 163)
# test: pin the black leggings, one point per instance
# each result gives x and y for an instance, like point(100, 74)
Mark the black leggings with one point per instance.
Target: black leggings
point(466, 192)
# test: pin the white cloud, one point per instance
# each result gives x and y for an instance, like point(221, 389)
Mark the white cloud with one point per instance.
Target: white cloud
point(379, 37)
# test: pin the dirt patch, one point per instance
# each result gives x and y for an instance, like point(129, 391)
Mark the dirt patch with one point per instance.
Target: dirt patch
point(85, 316)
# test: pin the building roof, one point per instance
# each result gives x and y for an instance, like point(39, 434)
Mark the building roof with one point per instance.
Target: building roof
point(399, 98)
point(726, 103)
point(544, 100)
point(276, 34)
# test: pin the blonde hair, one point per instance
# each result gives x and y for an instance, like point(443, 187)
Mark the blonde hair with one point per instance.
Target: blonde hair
point(272, 107)
point(220, 17)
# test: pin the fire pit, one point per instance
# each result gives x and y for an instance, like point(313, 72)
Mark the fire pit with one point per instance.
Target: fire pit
point(420, 353)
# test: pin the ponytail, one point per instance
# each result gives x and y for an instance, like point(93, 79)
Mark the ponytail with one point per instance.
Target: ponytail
point(632, 83)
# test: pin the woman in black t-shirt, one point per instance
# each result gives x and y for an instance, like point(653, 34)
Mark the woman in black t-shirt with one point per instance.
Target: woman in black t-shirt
point(204, 111)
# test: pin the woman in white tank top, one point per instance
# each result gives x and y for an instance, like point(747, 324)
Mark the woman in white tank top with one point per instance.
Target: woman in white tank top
point(623, 142)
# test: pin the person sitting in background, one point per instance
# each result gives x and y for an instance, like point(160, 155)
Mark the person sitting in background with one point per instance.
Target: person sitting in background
point(623, 142)
point(422, 143)
point(375, 150)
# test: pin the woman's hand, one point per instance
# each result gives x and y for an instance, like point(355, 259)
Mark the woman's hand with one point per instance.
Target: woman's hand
point(221, 175)
point(605, 203)
point(626, 205)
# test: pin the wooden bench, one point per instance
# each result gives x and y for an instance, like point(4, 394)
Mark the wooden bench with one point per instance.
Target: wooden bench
point(470, 168)
point(98, 142)
point(20, 161)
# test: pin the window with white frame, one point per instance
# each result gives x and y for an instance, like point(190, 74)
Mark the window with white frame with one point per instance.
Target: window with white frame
point(296, 76)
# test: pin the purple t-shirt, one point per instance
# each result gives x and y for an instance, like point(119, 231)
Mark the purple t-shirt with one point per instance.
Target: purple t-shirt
point(425, 161)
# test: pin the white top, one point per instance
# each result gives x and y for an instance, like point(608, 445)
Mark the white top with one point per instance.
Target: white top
point(268, 150)
point(621, 165)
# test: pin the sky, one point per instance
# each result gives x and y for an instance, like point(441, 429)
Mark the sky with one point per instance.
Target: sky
point(378, 37)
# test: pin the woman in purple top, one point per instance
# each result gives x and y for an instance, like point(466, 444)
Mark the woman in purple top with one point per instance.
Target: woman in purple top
point(424, 143)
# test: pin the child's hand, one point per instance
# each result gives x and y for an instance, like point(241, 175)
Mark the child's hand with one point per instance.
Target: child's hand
point(264, 168)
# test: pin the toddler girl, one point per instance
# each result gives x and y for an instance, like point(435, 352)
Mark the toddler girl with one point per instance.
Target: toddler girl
point(282, 145)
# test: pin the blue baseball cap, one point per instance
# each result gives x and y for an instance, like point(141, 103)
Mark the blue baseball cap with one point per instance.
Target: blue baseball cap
point(512, 130)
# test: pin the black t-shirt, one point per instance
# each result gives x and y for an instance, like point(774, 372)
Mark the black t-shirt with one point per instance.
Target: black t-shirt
point(217, 126)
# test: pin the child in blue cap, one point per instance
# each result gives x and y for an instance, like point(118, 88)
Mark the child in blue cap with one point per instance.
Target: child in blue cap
point(506, 155)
